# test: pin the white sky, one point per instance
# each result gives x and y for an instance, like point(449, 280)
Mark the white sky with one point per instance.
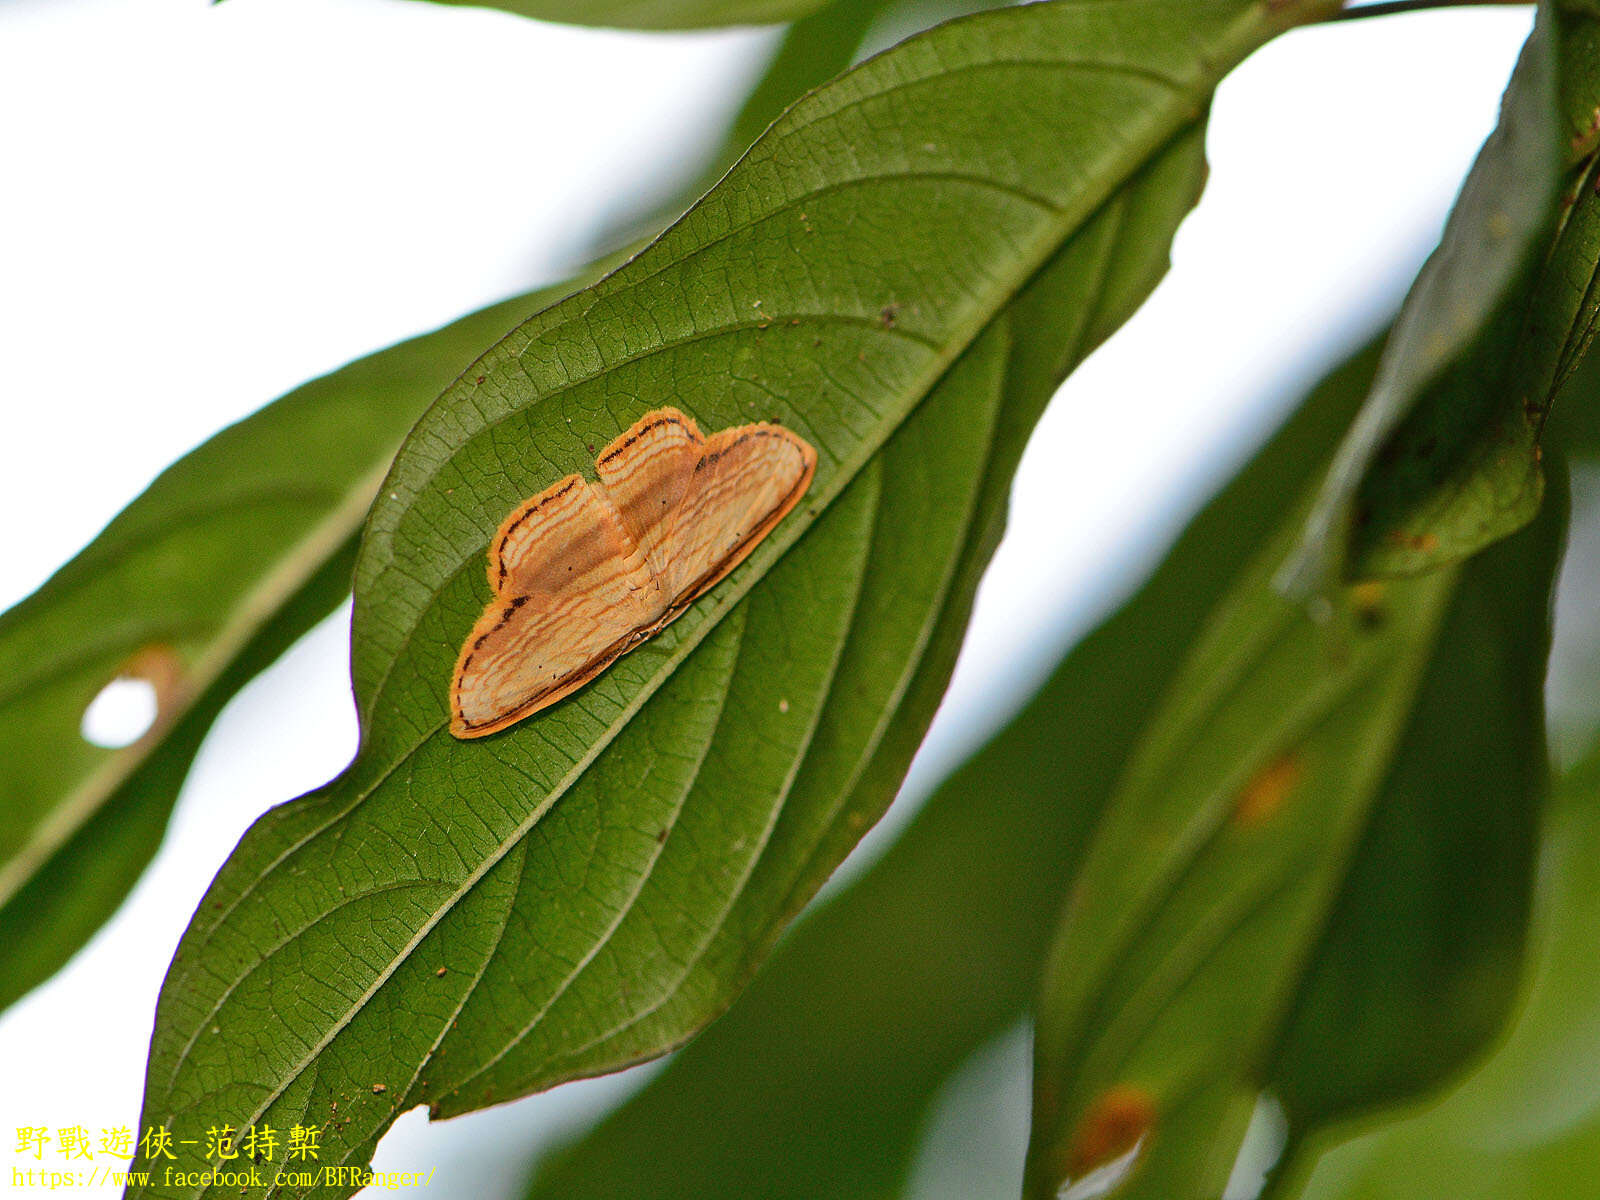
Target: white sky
point(206, 206)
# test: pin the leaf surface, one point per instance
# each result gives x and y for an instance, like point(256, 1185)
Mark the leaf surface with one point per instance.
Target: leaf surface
point(459, 924)
point(1525, 1125)
point(1443, 459)
point(1260, 905)
point(815, 1085)
point(655, 14)
point(1420, 958)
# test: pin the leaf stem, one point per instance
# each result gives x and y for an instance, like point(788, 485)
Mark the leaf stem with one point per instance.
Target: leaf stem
point(1387, 8)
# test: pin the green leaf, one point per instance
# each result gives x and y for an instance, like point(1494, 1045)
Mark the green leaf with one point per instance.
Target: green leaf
point(1565, 308)
point(231, 554)
point(655, 14)
point(597, 882)
point(1575, 419)
point(813, 50)
point(1443, 459)
point(82, 821)
point(1525, 1125)
point(815, 1084)
point(1303, 828)
point(1580, 78)
point(1420, 958)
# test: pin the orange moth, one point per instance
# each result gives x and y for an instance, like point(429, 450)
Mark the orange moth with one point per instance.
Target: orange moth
point(584, 572)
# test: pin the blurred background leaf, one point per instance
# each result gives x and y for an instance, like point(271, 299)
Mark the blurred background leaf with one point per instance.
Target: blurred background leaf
point(656, 14)
point(1525, 1125)
point(1580, 76)
point(200, 583)
point(1443, 459)
point(1233, 880)
point(1420, 957)
point(1308, 853)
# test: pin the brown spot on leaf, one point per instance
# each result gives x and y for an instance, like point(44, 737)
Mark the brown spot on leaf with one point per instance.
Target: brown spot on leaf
point(1424, 542)
point(159, 666)
point(1366, 601)
point(1113, 1125)
point(1268, 789)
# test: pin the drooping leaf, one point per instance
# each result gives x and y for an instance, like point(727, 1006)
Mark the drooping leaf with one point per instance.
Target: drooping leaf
point(655, 14)
point(1443, 459)
point(1575, 420)
point(231, 554)
point(1525, 1125)
point(1207, 879)
point(815, 1085)
point(1312, 879)
point(458, 923)
point(1420, 958)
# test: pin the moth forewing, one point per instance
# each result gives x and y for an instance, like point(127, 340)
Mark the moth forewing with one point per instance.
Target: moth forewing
point(582, 573)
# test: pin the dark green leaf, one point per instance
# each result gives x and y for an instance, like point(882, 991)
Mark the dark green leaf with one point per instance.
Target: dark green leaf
point(1580, 78)
point(1575, 415)
point(1421, 955)
point(1443, 459)
point(597, 882)
point(1565, 307)
point(1526, 1124)
point(230, 555)
point(815, 1085)
point(1303, 881)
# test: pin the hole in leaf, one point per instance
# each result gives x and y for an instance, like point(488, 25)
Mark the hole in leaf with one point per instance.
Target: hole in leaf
point(1107, 1141)
point(128, 707)
point(1103, 1180)
point(121, 714)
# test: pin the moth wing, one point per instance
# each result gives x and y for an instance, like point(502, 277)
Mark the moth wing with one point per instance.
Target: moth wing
point(646, 472)
point(744, 482)
point(571, 591)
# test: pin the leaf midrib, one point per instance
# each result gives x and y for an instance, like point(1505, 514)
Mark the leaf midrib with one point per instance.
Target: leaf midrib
point(943, 358)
